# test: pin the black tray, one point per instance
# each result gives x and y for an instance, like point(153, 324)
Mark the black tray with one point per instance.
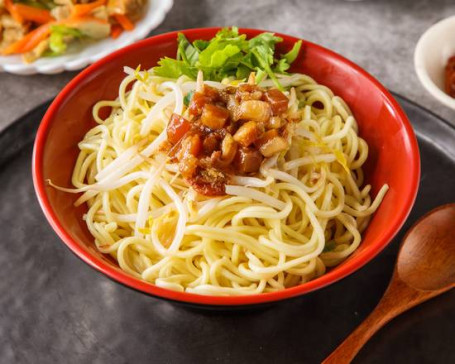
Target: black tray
point(55, 309)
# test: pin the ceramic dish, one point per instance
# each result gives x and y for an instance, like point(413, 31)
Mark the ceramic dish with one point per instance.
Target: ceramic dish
point(433, 50)
point(154, 14)
point(393, 158)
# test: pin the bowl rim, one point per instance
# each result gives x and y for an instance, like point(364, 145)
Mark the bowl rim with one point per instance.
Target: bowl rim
point(207, 300)
point(421, 69)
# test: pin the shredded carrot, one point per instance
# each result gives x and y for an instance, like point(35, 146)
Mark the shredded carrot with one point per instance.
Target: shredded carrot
point(84, 9)
point(29, 41)
point(12, 10)
point(30, 13)
point(116, 30)
point(124, 21)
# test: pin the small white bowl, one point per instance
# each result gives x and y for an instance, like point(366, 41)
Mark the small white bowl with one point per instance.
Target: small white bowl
point(155, 12)
point(432, 52)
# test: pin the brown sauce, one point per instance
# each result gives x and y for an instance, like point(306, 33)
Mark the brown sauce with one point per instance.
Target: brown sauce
point(227, 132)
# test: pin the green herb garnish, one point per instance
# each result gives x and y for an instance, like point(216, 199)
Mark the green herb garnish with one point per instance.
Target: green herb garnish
point(188, 97)
point(228, 54)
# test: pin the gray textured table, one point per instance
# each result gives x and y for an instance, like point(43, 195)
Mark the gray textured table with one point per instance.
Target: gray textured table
point(54, 309)
point(379, 35)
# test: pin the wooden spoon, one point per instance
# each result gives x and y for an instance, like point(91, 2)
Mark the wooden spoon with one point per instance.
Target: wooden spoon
point(424, 269)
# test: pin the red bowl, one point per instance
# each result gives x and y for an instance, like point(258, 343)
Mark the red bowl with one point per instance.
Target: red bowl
point(393, 159)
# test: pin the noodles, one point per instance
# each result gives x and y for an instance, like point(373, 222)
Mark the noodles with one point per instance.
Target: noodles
point(302, 212)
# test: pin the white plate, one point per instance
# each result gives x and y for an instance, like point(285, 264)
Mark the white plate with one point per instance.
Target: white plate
point(155, 12)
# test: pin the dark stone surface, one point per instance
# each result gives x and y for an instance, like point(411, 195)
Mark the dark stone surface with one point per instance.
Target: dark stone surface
point(55, 309)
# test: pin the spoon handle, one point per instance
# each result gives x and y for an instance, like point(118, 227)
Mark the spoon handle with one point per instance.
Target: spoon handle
point(398, 298)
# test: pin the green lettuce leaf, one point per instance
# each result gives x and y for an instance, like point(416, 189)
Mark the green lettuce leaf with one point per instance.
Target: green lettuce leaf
point(172, 68)
point(228, 54)
point(217, 54)
point(200, 44)
point(227, 33)
point(223, 50)
point(186, 51)
point(263, 49)
point(59, 36)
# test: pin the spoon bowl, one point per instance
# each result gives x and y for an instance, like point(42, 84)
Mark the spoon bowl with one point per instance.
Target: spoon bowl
point(427, 256)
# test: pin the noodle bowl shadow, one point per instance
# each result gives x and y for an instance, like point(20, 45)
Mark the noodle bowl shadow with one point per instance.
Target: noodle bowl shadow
point(393, 157)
